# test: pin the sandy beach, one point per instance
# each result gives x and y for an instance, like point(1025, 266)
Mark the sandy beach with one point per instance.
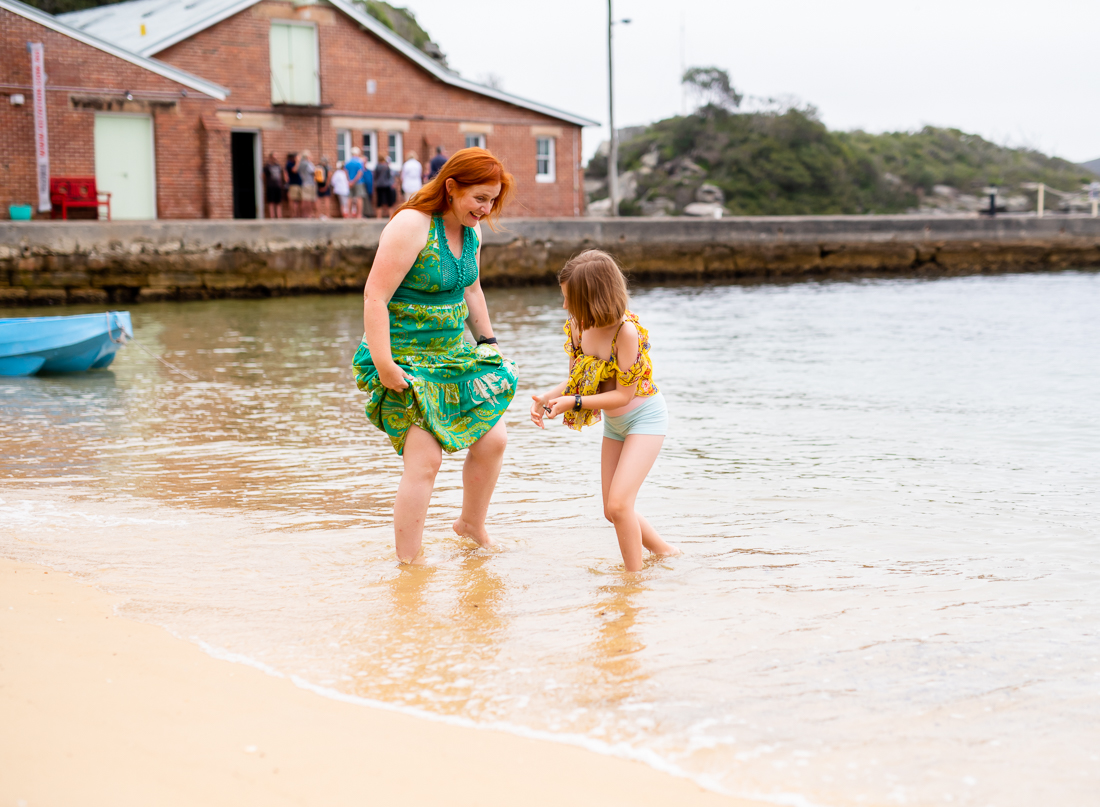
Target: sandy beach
point(100, 709)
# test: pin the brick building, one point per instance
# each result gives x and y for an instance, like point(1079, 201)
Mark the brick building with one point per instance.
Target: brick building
point(101, 98)
point(325, 76)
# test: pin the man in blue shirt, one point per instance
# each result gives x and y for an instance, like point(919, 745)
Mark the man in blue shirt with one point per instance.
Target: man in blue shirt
point(361, 183)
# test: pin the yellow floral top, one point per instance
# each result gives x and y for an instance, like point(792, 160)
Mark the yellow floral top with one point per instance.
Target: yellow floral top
point(589, 371)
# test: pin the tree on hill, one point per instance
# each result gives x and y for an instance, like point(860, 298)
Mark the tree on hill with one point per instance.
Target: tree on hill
point(712, 87)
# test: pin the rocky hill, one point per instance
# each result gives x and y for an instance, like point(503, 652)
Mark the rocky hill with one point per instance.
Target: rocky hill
point(720, 161)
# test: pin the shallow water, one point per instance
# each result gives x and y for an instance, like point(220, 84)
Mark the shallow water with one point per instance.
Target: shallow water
point(886, 492)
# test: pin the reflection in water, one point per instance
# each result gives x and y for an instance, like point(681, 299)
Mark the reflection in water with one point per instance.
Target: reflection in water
point(886, 494)
point(436, 634)
point(616, 650)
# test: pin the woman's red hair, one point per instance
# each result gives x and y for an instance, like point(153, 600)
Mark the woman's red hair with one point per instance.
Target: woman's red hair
point(467, 167)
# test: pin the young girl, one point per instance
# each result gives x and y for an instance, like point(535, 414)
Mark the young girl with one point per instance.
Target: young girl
point(610, 370)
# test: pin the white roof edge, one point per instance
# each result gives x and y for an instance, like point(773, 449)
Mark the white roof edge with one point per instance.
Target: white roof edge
point(152, 65)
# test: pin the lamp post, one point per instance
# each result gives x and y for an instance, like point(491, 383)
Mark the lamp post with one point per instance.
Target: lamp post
point(613, 155)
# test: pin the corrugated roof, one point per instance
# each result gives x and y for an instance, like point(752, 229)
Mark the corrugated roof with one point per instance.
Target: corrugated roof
point(166, 21)
point(170, 21)
point(115, 49)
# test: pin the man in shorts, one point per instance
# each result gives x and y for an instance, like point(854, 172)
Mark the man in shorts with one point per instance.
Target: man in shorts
point(361, 183)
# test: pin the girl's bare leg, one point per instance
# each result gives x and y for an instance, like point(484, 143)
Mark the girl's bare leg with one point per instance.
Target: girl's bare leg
point(423, 456)
point(624, 467)
point(479, 480)
point(651, 540)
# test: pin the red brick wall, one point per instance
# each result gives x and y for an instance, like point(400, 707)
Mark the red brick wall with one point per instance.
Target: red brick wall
point(235, 54)
point(216, 169)
point(80, 76)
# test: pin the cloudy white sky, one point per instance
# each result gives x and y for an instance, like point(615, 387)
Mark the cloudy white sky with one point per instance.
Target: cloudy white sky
point(1018, 72)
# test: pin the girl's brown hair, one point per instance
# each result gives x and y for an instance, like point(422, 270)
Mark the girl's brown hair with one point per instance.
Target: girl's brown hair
point(467, 167)
point(595, 289)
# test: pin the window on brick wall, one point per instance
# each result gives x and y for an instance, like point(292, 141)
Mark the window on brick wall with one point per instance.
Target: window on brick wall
point(544, 159)
point(295, 76)
point(370, 149)
point(343, 145)
point(393, 148)
point(475, 141)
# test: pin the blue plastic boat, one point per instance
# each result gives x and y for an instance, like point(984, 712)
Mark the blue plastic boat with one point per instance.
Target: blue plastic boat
point(62, 344)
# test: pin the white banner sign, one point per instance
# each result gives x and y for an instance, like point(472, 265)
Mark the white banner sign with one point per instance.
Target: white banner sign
point(41, 140)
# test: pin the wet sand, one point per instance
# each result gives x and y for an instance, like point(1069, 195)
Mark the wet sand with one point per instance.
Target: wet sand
point(101, 709)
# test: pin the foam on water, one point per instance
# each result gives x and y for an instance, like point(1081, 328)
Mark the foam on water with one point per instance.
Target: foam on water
point(885, 491)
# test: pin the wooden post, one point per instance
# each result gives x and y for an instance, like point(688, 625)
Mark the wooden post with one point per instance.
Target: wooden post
point(1042, 188)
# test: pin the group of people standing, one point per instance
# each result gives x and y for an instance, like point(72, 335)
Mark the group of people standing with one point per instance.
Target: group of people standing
point(300, 188)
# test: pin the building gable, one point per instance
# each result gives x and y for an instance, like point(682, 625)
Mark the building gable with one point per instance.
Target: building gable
point(149, 27)
point(152, 65)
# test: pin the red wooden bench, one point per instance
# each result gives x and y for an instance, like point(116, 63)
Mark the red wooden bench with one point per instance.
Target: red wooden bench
point(70, 192)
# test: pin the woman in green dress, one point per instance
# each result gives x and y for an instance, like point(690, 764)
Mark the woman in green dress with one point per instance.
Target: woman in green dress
point(429, 388)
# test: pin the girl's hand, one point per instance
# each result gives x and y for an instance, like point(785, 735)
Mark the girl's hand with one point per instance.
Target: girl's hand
point(538, 409)
point(393, 377)
point(559, 405)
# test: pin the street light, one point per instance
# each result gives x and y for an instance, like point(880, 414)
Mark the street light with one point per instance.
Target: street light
point(613, 156)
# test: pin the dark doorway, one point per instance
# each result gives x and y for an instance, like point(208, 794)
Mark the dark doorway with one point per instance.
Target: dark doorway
point(243, 150)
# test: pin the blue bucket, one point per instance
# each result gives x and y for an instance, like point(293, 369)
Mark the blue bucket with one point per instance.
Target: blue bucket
point(20, 212)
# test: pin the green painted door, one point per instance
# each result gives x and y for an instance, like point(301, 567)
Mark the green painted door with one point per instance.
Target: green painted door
point(124, 164)
point(294, 64)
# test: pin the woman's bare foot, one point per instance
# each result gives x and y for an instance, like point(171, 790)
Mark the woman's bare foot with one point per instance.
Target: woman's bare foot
point(669, 551)
point(479, 535)
point(419, 560)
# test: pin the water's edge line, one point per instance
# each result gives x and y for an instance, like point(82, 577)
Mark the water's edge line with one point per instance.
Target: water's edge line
point(618, 750)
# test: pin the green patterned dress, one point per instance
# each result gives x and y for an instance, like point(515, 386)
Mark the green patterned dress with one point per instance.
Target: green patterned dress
point(458, 390)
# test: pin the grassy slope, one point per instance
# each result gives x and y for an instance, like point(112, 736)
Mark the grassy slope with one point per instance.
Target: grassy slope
point(790, 163)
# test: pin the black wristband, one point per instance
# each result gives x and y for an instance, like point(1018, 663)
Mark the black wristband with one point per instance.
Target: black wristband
point(487, 340)
point(577, 403)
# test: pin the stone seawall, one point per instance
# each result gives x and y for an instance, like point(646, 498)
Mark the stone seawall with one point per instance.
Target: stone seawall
point(126, 262)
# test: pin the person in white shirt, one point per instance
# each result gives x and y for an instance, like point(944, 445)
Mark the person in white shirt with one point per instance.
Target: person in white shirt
point(341, 189)
point(412, 175)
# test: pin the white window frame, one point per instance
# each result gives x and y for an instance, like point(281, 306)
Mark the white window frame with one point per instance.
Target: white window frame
point(370, 149)
point(343, 145)
point(316, 63)
point(475, 141)
point(549, 175)
point(393, 149)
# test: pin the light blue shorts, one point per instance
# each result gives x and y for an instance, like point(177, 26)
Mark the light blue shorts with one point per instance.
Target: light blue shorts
point(649, 418)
